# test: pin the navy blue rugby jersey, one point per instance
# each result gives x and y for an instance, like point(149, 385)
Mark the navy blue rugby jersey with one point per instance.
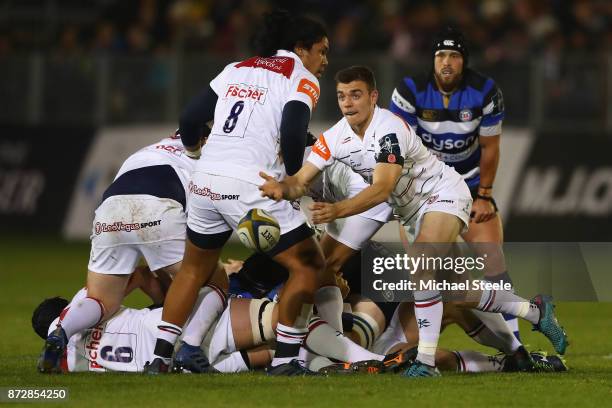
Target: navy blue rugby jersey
point(452, 133)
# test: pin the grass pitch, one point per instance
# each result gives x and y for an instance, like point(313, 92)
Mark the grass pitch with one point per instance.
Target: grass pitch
point(34, 268)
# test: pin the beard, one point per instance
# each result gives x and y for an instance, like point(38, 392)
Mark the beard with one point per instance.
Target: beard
point(448, 82)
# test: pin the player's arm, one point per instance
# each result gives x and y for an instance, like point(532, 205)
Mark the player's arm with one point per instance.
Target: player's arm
point(490, 131)
point(292, 187)
point(403, 102)
point(196, 115)
point(293, 132)
point(384, 180)
point(483, 209)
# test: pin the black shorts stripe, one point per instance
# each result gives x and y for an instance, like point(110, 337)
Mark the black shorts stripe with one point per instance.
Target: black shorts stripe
point(158, 181)
point(291, 238)
point(208, 241)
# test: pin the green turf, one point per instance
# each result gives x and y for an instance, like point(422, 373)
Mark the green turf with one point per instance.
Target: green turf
point(32, 269)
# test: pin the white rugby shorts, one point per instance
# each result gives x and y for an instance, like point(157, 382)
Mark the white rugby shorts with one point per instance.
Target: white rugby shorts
point(126, 227)
point(217, 203)
point(452, 197)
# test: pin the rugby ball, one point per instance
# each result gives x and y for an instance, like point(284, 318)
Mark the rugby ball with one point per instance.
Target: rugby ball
point(258, 230)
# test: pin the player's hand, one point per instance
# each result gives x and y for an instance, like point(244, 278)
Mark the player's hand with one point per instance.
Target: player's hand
point(271, 188)
point(232, 266)
point(342, 285)
point(482, 211)
point(323, 212)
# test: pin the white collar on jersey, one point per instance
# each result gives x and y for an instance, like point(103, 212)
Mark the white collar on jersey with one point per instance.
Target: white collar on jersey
point(290, 54)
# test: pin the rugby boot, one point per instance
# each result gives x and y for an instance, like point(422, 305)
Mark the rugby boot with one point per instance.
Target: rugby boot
point(293, 368)
point(53, 350)
point(549, 364)
point(418, 369)
point(548, 324)
point(155, 367)
point(190, 359)
point(395, 362)
point(392, 363)
point(520, 360)
point(338, 368)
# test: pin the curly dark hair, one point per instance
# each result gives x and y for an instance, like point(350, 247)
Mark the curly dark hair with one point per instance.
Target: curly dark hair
point(282, 30)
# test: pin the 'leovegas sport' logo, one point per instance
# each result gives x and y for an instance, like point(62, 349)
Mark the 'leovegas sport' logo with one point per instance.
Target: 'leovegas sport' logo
point(246, 91)
point(321, 148)
point(311, 89)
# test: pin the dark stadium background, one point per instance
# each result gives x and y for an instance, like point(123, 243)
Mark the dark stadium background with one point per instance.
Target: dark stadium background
point(83, 84)
point(72, 69)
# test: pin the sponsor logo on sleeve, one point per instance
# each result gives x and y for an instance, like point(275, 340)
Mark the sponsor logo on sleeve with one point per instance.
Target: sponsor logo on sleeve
point(311, 89)
point(321, 148)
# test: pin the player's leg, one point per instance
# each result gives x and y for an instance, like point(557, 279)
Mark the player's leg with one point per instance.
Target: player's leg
point(303, 259)
point(208, 307)
point(492, 232)
point(199, 263)
point(107, 279)
point(328, 298)
point(342, 240)
point(436, 227)
point(244, 360)
point(244, 325)
point(207, 233)
point(402, 336)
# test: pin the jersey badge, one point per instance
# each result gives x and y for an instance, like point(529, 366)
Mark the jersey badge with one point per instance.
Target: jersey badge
point(465, 115)
point(429, 114)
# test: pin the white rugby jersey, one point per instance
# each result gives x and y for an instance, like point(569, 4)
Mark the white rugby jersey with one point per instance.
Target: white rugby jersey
point(339, 182)
point(168, 151)
point(125, 342)
point(388, 139)
point(245, 138)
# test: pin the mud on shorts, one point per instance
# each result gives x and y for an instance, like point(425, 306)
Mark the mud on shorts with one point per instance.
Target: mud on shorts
point(126, 227)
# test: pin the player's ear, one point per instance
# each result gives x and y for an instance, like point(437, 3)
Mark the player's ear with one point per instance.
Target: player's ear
point(374, 96)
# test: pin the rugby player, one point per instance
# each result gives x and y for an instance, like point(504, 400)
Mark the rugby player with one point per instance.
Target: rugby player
point(239, 341)
point(261, 108)
point(342, 238)
point(125, 340)
point(422, 190)
point(457, 112)
point(142, 214)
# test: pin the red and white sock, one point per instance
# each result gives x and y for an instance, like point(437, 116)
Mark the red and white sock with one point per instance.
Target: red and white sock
point(469, 361)
point(81, 315)
point(503, 301)
point(324, 340)
point(209, 305)
point(288, 343)
point(428, 312)
point(329, 303)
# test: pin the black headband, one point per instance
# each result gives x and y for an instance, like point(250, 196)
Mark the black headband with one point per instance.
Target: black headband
point(451, 39)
